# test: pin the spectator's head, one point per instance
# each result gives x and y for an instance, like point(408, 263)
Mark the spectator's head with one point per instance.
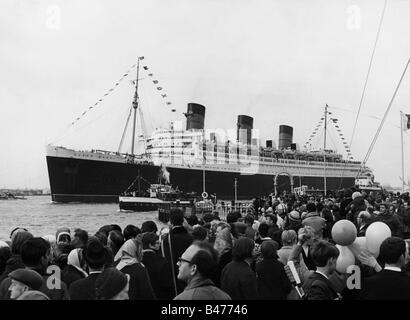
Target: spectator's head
point(150, 240)
point(249, 219)
point(269, 249)
point(116, 227)
point(271, 219)
point(23, 280)
point(131, 231)
point(35, 252)
point(100, 235)
point(199, 259)
point(176, 217)
point(192, 220)
point(324, 256)
point(106, 229)
point(242, 249)
point(310, 207)
point(63, 236)
point(112, 284)
point(80, 238)
point(393, 251)
point(223, 240)
point(263, 230)
point(149, 226)
point(363, 218)
point(233, 217)
point(289, 237)
point(17, 240)
point(319, 207)
point(95, 254)
point(208, 217)
point(200, 233)
point(115, 240)
point(356, 195)
point(16, 230)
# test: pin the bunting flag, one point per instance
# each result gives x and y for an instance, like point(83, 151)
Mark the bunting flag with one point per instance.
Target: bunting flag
point(108, 92)
point(159, 88)
point(406, 121)
point(173, 110)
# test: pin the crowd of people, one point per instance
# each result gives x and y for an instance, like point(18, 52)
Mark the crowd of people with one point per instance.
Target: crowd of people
point(281, 248)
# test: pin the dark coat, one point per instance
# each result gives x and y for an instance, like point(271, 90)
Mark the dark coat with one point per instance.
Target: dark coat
point(394, 223)
point(275, 233)
point(71, 274)
point(386, 285)
point(13, 263)
point(159, 274)
point(318, 287)
point(140, 285)
point(307, 259)
point(53, 294)
point(273, 283)
point(239, 281)
point(84, 289)
point(180, 241)
point(353, 208)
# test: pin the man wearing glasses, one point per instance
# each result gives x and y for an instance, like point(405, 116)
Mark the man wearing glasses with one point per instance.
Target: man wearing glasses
point(197, 266)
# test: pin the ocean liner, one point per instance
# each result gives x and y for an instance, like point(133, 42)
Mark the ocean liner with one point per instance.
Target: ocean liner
point(194, 159)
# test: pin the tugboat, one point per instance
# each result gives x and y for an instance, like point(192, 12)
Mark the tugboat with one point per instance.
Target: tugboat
point(154, 197)
point(142, 200)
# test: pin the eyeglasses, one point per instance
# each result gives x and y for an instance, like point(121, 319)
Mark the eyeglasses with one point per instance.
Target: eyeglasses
point(180, 260)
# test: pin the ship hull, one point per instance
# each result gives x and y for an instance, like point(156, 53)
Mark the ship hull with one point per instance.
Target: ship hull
point(90, 181)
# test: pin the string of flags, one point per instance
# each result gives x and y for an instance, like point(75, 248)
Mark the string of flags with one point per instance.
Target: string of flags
point(339, 131)
point(313, 134)
point(159, 88)
point(345, 144)
point(116, 84)
point(107, 93)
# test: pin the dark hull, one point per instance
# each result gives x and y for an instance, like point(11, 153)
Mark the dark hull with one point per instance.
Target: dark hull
point(78, 180)
point(138, 206)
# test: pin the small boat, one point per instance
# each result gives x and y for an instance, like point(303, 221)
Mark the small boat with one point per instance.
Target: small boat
point(142, 200)
point(153, 197)
point(10, 196)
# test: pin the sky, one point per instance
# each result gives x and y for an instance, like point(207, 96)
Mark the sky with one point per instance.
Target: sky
point(280, 62)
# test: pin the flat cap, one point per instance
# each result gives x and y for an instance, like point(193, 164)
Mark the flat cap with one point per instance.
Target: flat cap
point(29, 277)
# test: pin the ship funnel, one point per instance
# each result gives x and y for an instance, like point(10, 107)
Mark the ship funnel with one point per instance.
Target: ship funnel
point(285, 136)
point(244, 129)
point(195, 116)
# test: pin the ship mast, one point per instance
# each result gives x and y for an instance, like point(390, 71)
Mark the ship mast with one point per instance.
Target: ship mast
point(135, 105)
point(324, 152)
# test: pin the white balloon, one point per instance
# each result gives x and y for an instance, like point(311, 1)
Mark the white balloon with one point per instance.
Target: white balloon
point(345, 259)
point(376, 233)
point(358, 246)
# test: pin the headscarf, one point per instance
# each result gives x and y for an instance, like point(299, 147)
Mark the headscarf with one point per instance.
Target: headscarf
point(223, 241)
point(76, 259)
point(62, 231)
point(18, 239)
point(128, 254)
